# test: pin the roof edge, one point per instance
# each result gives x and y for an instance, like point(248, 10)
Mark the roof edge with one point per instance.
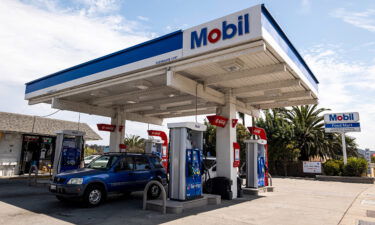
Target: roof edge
point(286, 39)
point(107, 56)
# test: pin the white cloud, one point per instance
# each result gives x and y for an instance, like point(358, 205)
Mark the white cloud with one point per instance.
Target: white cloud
point(41, 37)
point(143, 18)
point(170, 28)
point(364, 20)
point(345, 86)
point(305, 6)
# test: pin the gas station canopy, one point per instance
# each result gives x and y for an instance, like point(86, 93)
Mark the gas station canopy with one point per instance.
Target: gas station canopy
point(188, 72)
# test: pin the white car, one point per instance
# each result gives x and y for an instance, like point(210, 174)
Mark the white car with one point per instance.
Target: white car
point(90, 158)
point(210, 166)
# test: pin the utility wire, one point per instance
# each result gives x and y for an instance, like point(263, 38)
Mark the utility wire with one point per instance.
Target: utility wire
point(52, 113)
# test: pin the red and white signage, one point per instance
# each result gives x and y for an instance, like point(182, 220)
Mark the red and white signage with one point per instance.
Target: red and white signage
point(218, 121)
point(106, 127)
point(236, 156)
point(234, 122)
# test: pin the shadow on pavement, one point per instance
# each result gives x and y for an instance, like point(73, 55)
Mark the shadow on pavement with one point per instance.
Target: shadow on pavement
point(119, 210)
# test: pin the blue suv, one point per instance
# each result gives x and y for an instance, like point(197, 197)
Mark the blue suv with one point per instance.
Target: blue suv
point(110, 173)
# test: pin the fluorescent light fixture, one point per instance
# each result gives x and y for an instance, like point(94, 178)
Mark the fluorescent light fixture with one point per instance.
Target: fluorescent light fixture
point(232, 65)
point(143, 84)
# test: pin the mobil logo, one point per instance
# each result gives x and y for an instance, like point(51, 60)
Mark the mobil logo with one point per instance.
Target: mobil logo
point(226, 31)
point(341, 117)
point(335, 117)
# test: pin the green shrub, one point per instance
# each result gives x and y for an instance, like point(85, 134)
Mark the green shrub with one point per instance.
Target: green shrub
point(333, 167)
point(355, 167)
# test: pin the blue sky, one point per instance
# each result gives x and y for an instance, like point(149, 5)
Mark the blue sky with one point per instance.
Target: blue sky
point(39, 37)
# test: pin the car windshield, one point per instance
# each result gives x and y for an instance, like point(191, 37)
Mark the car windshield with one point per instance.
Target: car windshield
point(103, 162)
point(89, 157)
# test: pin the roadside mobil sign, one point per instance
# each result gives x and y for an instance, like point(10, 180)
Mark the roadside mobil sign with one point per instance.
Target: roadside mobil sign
point(350, 117)
point(342, 122)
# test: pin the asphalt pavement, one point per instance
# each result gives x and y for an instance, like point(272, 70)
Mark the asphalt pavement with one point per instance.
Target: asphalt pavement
point(295, 201)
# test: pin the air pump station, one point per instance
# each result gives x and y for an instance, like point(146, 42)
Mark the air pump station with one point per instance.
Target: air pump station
point(69, 151)
point(255, 163)
point(185, 160)
point(154, 146)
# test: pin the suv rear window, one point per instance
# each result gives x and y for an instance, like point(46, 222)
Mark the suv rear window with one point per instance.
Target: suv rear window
point(141, 163)
point(156, 161)
point(126, 163)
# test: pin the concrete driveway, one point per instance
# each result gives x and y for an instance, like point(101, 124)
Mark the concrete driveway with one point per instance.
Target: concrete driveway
point(295, 201)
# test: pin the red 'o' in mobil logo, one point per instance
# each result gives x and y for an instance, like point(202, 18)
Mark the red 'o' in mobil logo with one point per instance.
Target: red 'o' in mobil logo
point(228, 31)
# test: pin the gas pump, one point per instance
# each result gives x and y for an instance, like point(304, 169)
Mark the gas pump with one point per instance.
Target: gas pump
point(185, 160)
point(154, 146)
point(164, 146)
point(69, 151)
point(255, 163)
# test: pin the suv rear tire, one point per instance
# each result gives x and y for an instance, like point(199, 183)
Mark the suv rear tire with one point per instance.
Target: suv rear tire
point(94, 195)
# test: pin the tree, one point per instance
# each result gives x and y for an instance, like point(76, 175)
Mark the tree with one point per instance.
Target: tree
point(134, 143)
point(308, 131)
point(242, 135)
point(280, 138)
point(210, 139)
point(90, 151)
point(335, 146)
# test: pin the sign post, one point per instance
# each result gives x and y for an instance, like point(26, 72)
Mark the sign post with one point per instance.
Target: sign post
point(342, 123)
point(343, 141)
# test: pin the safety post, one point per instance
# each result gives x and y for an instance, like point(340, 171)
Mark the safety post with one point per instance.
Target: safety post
point(163, 195)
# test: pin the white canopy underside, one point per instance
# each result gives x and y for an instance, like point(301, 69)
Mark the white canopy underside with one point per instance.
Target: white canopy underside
point(253, 72)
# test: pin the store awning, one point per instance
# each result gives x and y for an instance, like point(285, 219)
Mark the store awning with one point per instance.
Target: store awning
point(188, 72)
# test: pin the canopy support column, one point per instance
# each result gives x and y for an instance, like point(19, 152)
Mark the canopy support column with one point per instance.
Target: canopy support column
point(225, 136)
point(117, 137)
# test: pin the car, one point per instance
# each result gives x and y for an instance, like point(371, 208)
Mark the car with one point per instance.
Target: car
point(111, 173)
point(209, 165)
point(88, 159)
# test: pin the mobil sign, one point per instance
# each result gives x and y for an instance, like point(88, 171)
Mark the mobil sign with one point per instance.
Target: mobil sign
point(229, 30)
point(350, 117)
point(342, 122)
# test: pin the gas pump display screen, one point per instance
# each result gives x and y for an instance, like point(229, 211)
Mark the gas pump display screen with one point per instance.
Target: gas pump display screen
point(70, 155)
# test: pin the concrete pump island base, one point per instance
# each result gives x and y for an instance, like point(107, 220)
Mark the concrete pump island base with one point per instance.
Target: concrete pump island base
point(242, 62)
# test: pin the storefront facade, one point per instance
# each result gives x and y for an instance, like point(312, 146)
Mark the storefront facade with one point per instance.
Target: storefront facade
point(28, 140)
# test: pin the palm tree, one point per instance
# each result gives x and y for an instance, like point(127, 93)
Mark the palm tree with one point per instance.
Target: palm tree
point(134, 143)
point(280, 138)
point(309, 132)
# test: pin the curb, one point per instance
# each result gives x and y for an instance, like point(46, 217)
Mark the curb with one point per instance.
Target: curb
point(361, 180)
